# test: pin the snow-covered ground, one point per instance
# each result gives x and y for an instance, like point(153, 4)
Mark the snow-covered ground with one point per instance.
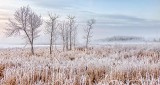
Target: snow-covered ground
point(109, 64)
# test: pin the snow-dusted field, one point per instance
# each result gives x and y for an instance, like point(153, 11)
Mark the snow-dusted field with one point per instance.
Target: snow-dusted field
point(136, 64)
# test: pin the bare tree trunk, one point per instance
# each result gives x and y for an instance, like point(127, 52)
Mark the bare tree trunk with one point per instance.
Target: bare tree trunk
point(87, 41)
point(63, 43)
point(70, 39)
point(50, 51)
point(32, 49)
point(67, 42)
point(30, 41)
point(74, 44)
point(87, 44)
point(32, 31)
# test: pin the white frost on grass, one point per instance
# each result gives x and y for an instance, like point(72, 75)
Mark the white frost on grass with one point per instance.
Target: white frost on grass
point(65, 67)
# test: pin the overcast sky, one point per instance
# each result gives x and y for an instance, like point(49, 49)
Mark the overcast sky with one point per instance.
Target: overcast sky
point(113, 17)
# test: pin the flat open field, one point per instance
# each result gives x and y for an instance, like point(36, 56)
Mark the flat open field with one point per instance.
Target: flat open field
point(102, 65)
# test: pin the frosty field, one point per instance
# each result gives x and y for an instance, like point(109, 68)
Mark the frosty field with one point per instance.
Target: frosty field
point(137, 64)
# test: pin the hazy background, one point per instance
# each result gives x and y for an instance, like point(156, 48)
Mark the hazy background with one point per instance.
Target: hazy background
point(113, 17)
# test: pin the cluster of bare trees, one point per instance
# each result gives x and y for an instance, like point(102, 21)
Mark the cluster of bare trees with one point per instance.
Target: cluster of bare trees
point(27, 23)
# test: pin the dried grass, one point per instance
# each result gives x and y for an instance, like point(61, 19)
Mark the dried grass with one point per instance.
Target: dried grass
point(100, 65)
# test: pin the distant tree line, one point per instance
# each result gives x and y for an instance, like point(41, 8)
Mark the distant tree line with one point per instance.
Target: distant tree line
point(26, 23)
point(124, 38)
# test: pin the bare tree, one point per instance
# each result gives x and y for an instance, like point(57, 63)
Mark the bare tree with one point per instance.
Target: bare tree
point(63, 33)
point(26, 21)
point(72, 26)
point(52, 25)
point(87, 30)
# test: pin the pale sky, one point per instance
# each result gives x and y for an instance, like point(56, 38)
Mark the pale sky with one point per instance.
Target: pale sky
point(113, 17)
